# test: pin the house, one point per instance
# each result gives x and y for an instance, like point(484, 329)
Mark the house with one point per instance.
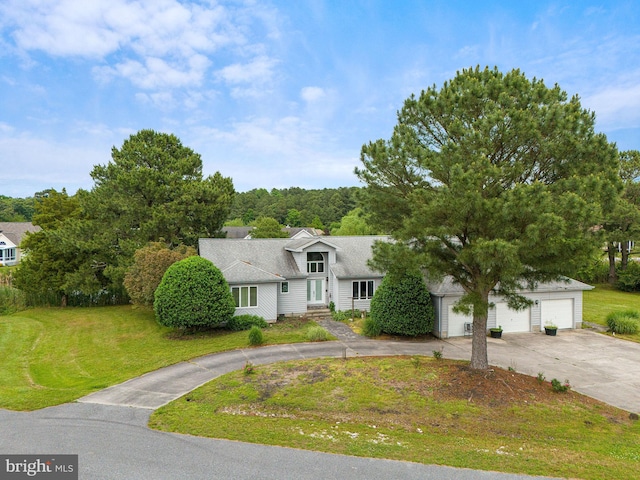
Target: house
point(294, 232)
point(288, 276)
point(558, 303)
point(11, 235)
point(272, 277)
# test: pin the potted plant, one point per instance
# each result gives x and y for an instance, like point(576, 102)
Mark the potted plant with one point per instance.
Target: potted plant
point(496, 332)
point(551, 329)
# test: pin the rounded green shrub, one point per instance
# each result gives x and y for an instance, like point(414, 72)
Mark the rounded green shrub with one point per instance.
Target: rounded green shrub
point(193, 294)
point(402, 306)
point(255, 336)
point(624, 323)
point(245, 322)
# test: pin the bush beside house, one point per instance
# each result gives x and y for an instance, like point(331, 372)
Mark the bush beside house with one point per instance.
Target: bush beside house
point(402, 306)
point(193, 294)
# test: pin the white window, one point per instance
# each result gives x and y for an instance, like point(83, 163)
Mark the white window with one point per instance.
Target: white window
point(8, 255)
point(245, 296)
point(284, 287)
point(363, 289)
point(315, 262)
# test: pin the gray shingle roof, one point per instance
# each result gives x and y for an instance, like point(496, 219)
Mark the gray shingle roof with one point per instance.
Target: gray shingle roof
point(263, 254)
point(16, 231)
point(447, 287)
point(270, 259)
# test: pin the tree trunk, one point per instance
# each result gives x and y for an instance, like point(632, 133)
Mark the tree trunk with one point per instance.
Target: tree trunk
point(611, 252)
point(624, 249)
point(479, 357)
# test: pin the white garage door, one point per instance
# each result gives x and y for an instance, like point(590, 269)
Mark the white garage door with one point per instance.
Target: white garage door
point(456, 323)
point(557, 312)
point(512, 320)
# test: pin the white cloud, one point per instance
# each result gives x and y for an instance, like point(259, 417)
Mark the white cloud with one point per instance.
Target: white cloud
point(312, 94)
point(155, 44)
point(259, 70)
point(616, 106)
point(284, 152)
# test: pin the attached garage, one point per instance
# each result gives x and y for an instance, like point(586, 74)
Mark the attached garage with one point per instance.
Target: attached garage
point(512, 320)
point(558, 302)
point(456, 323)
point(557, 312)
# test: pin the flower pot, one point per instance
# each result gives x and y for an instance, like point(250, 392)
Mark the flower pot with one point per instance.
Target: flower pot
point(495, 333)
point(550, 331)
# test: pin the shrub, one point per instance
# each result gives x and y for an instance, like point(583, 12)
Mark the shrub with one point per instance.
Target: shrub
point(402, 306)
point(193, 294)
point(255, 336)
point(558, 387)
point(371, 327)
point(343, 315)
point(624, 322)
point(317, 334)
point(332, 306)
point(629, 278)
point(245, 322)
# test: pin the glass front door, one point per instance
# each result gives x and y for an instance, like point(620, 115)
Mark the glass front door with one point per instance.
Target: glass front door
point(315, 291)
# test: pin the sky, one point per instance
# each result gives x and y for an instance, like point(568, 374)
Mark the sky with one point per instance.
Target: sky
point(280, 93)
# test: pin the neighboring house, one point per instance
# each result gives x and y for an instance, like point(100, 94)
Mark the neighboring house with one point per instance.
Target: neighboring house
point(271, 277)
point(558, 303)
point(294, 232)
point(11, 235)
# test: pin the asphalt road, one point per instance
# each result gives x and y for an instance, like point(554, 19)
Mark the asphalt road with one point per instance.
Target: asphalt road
point(114, 443)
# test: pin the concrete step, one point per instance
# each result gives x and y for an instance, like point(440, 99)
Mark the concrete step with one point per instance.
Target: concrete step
point(318, 313)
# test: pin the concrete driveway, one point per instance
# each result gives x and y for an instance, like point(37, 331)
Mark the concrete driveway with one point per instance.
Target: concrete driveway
point(596, 365)
point(602, 367)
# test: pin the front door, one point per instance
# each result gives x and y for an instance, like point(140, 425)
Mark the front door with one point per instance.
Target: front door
point(315, 291)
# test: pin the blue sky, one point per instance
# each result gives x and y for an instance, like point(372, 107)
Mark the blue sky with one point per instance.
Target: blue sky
point(279, 93)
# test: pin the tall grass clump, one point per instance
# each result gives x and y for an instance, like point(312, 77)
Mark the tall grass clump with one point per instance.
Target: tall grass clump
point(11, 300)
point(317, 334)
point(625, 322)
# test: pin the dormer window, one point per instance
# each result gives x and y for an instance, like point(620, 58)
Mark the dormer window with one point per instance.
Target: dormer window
point(315, 262)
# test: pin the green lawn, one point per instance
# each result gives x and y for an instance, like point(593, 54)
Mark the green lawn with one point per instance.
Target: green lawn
point(604, 299)
point(414, 409)
point(56, 355)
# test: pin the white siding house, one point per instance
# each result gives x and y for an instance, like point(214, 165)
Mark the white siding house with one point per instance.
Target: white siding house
point(287, 276)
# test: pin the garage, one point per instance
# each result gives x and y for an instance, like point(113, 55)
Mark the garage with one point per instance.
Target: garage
point(512, 320)
point(557, 312)
point(456, 323)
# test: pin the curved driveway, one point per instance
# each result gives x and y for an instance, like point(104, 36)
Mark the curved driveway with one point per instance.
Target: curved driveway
point(108, 431)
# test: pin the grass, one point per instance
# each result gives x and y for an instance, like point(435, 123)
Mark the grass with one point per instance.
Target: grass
point(604, 300)
point(54, 355)
point(397, 408)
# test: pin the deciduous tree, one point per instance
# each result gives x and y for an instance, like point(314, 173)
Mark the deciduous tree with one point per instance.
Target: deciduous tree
point(149, 266)
point(493, 179)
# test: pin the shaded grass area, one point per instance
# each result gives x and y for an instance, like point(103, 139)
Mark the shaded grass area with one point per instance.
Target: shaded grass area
point(56, 355)
point(421, 410)
point(605, 299)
